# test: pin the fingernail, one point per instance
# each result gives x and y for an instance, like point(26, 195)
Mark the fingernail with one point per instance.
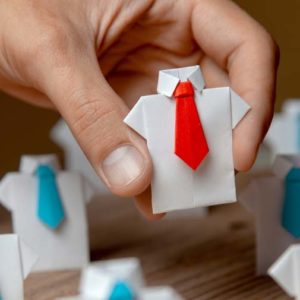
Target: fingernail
point(123, 166)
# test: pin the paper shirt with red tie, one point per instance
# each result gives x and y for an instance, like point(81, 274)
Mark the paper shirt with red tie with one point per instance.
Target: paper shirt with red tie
point(175, 185)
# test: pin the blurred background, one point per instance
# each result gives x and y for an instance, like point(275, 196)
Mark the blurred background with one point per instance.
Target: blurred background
point(25, 129)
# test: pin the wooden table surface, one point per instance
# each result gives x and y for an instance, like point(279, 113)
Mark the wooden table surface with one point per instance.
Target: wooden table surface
point(202, 258)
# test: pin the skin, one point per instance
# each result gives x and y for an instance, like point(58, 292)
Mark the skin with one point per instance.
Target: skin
point(91, 60)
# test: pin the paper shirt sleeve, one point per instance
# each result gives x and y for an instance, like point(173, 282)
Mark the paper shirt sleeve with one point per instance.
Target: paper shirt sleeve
point(248, 197)
point(239, 108)
point(89, 189)
point(135, 118)
point(282, 271)
point(28, 257)
point(60, 133)
point(5, 191)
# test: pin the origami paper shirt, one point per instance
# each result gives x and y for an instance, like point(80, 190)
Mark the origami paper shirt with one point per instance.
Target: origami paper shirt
point(67, 246)
point(175, 185)
point(284, 133)
point(264, 197)
point(16, 261)
point(285, 271)
point(102, 279)
point(149, 293)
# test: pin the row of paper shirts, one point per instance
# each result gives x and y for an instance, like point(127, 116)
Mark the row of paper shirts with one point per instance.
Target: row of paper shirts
point(119, 279)
point(281, 137)
point(180, 188)
point(267, 197)
point(67, 232)
point(274, 201)
point(221, 110)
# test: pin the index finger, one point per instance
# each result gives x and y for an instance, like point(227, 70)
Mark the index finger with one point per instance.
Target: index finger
point(241, 46)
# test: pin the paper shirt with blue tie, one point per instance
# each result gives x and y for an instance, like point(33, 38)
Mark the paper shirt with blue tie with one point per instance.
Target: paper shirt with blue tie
point(48, 209)
point(118, 279)
point(274, 200)
point(174, 184)
point(145, 293)
point(16, 261)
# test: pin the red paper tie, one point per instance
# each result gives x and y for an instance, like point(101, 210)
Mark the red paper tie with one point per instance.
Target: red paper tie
point(190, 141)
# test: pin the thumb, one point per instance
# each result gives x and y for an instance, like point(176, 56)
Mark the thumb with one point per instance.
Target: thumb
point(95, 113)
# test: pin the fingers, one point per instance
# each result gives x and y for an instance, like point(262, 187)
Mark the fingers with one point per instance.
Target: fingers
point(95, 115)
point(238, 44)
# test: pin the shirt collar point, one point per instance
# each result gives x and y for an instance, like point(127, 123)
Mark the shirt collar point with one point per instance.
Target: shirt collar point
point(29, 163)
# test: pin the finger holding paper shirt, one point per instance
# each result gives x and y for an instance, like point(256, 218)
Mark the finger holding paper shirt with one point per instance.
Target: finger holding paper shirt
point(58, 66)
point(190, 168)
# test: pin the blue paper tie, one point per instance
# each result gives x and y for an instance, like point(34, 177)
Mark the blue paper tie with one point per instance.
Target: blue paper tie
point(50, 208)
point(122, 291)
point(298, 131)
point(291, 206)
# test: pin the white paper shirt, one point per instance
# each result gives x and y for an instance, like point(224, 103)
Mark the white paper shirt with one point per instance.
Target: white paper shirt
point(264, 198)
point(149, 293)
point(98, 279)
point(16, 261)
point(65, 247)
point(175, 185)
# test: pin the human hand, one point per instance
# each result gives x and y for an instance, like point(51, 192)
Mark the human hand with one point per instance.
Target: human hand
point(91, 60)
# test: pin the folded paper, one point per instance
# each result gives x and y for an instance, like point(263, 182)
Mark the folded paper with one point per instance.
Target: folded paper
point(284, 133)
point(107, 279)
point(285, 271)
point(190, 141)
point(276, 218)
point(119, 279)
point(160, 292)
point(147, 293)
point(291, 205)
point(174, 184)
point(64, 247)
point(49, 202)
point(16, 261)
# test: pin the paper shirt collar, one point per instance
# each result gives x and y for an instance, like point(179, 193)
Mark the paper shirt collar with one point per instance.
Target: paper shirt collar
point(168, 79)
point(29, 163)
point(291, 107)
point(284, 163)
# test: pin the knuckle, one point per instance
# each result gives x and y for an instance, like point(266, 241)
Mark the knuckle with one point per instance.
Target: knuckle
point(269, 45)
point(50, 46)
point(86, 114)
point(94, 124)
